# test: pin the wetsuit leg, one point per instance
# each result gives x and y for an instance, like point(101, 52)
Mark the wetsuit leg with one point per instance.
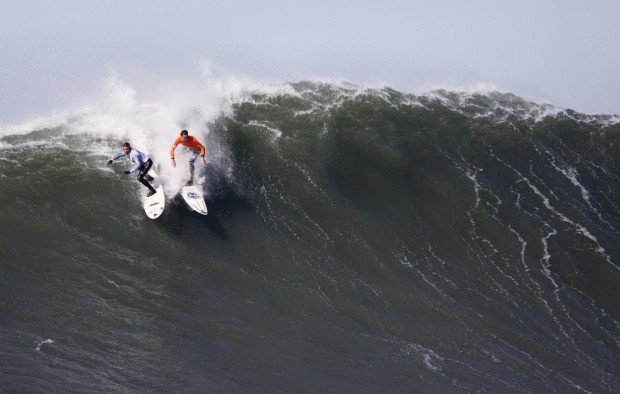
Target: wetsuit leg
point(192, 167)
point(142, 173)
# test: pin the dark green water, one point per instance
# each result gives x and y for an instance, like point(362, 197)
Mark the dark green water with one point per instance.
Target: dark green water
point(357, 240)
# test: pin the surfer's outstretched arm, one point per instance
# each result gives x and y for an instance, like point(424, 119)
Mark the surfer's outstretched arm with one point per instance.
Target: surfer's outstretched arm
point(116, 157)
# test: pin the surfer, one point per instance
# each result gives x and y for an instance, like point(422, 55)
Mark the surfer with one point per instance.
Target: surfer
point(142, 164)
point(194, 146)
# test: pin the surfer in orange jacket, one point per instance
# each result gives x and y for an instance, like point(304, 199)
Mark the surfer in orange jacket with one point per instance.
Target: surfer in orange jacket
point(194, 146)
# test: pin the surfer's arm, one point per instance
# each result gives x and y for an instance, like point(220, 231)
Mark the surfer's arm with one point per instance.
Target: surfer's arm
point(172, 148)
point(203, 151)
point(176, 142)
point(113, 159)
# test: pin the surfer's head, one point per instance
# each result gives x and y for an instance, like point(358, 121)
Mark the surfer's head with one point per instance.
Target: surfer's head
point(184, 134)
point(126, 147)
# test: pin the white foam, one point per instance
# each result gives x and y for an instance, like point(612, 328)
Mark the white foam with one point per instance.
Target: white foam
point(276, 132)
point(472, 177)
point(120, 112)
point(546, 202)
point(572, 175)
point(476, 87)
point(430, 359)
point(41, 343)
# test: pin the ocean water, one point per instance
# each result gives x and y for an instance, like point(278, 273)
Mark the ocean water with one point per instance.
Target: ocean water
point(358, 240)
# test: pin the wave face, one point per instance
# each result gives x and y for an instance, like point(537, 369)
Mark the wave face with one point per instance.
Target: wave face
point(357, 238)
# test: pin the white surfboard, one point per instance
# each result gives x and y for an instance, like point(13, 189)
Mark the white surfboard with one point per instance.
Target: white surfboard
point(194, 198)
point(154, 205)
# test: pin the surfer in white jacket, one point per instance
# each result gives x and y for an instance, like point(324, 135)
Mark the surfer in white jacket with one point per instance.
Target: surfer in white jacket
point(142, 164)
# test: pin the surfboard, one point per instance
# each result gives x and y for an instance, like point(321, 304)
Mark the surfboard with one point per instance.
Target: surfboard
point(154, 205)
point(194, 198)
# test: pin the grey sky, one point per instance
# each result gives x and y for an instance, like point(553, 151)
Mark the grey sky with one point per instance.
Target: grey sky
point(565, 52)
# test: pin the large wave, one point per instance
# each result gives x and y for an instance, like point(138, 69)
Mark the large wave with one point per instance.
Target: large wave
point(357, 236)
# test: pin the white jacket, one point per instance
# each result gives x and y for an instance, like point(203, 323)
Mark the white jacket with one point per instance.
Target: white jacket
point(135, 156)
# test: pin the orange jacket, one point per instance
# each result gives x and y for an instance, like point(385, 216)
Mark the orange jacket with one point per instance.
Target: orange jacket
point(192, 143)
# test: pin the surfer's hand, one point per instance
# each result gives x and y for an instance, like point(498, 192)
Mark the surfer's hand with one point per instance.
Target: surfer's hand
point(127, 172)
point(174, 163)
point(204, 163)
point(109, 162)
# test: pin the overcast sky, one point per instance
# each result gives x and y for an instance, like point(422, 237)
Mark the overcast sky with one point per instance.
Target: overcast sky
point(563, 52)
